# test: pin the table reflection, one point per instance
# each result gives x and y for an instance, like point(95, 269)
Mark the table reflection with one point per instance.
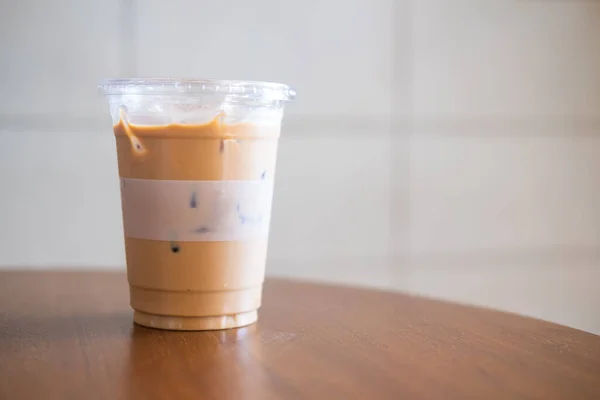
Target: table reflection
point(213, 364)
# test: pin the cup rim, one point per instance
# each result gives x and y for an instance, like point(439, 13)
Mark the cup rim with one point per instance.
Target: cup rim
point(250, 90)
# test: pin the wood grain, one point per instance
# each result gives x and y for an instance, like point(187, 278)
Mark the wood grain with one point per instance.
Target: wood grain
point(69, 335)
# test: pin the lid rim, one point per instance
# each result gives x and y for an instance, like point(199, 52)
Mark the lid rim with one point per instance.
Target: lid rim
point(157, 86)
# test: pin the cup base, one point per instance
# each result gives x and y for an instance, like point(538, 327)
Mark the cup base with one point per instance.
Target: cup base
point(194, 323)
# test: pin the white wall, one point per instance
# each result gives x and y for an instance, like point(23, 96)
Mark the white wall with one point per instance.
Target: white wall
point(446, 148)
point(500, 179)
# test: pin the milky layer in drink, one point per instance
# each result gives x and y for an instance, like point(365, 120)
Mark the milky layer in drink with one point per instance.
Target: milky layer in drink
point(196, 212)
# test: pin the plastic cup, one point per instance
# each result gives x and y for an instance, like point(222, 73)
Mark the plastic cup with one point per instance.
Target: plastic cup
point(196, 164)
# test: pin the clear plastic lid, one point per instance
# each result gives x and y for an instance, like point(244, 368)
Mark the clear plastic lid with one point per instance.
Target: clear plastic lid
point(233, 90)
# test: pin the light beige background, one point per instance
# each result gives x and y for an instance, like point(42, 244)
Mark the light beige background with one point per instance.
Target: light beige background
point(447, 148)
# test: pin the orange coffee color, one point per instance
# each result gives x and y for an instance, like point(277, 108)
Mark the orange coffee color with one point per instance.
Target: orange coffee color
point(201, 285)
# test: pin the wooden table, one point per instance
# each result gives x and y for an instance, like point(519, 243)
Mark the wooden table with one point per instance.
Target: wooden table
point(69, 335)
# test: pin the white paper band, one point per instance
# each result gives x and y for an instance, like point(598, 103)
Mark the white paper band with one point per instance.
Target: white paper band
point(196, 211)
